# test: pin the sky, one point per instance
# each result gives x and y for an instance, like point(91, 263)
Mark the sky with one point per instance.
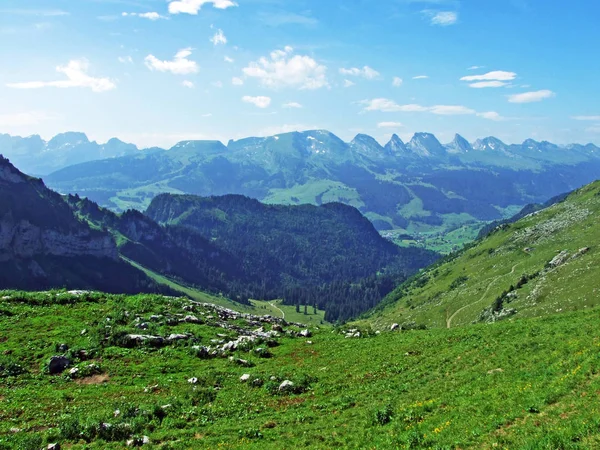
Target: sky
point(155, 72)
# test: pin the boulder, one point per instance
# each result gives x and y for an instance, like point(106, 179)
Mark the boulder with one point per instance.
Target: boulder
point(245, 377)
point(395, 326)
point(53, 446)
point(306, 333)
point(193, 380)
point(58, 364)
point(286, 386)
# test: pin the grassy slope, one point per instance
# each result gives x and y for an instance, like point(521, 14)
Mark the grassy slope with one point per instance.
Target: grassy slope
point(527, 384)
point(499, 261)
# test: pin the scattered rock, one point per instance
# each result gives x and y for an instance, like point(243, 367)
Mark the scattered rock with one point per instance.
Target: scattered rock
point(117, 413)
point(245, 377)
point(63, 348)
point(559, 259)
point(58, 364)
point(491, 372)
point(53, 446)
point(74, 371)
point(309, 342)
point(193, 380)
point(84, 332)
point(394, 326)
point(306, 333)
point(286, 386)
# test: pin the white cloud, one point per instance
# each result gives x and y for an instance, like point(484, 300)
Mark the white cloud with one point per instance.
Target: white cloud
point(348, 83)
point(594, 129)
point(180, 65)
point(125, 59)
point(24, 119)
point(397, 82)
point(259, 102)
point(587, 118)
point(228, 59)
point(496, 75)
point(390, 125)
point(488, 84)
point(292, 105)
point(387, 105)
point(491, 115)
point(475, 67)
point(188, 84)
point(219, 38)
point(149, 15)
point(531, 97)
point(366, 72)
point(421, 77)
point(451, 110)
point(77, 76)
point(193, 6)
point(283, 69)
point(442, 18)
point(236, 81)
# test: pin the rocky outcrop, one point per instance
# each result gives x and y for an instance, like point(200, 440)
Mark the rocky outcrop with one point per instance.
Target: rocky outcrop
point(21, 239)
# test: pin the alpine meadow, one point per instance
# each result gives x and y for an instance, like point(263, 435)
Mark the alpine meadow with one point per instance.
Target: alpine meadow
point(260, 224)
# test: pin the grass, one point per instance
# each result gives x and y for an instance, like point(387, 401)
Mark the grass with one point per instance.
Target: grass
point(276, 308)
point(527, 384)
point(489, 269)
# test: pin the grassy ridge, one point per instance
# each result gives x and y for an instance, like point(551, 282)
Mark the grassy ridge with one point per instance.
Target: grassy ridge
point(516, 257)
point(527, 384)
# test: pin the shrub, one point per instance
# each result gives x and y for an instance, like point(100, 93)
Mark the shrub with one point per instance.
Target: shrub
point(384, 416)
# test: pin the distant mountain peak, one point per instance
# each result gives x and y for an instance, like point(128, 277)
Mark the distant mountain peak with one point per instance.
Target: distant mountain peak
point(396, 145)
point(70, 138)
point(459, 145)
point(490, 143)
point(426, 145)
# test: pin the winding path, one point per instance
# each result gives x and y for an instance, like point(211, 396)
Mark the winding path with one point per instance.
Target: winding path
point(449, 320)
point(280, 310)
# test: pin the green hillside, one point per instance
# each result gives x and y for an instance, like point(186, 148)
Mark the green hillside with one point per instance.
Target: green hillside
point(529, 384)
point(544, 264)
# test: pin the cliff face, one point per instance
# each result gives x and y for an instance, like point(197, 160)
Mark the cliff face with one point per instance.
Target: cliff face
point(21, 239)
point(36, 221)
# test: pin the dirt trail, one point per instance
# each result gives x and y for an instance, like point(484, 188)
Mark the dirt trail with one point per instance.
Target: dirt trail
point(281, 311)
point(458, 311)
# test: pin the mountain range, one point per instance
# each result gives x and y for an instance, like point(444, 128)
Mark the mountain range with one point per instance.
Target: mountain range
point(421, 187)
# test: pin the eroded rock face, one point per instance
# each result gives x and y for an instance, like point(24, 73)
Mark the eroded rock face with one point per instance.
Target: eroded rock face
point(21, 239)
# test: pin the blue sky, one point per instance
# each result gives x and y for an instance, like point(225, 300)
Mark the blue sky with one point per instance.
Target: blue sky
point(154, 72)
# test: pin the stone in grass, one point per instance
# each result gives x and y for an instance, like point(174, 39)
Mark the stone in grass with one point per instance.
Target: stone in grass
point(53, 446)
point(245, 377)
point(394, 326)
point(306, 333)
point(58, 364)
point(193, 380)
point(138, 442)
point(286, 386)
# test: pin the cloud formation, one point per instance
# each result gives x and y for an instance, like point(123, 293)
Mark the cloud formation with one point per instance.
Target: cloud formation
point(441, 18)
point(77, 76)
point(193, 6)
point(292, 105)
point(149, 15)
point(259, 101)
point(387, 105)
point(188, 84)
point(496, 75)
point(531, 97)
point(179, 65)
point(397, 82)
point(219, 38)
point(390, 125)
point(421, 77)
point(284, 69)
point(587, 118)
point(366, 72)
